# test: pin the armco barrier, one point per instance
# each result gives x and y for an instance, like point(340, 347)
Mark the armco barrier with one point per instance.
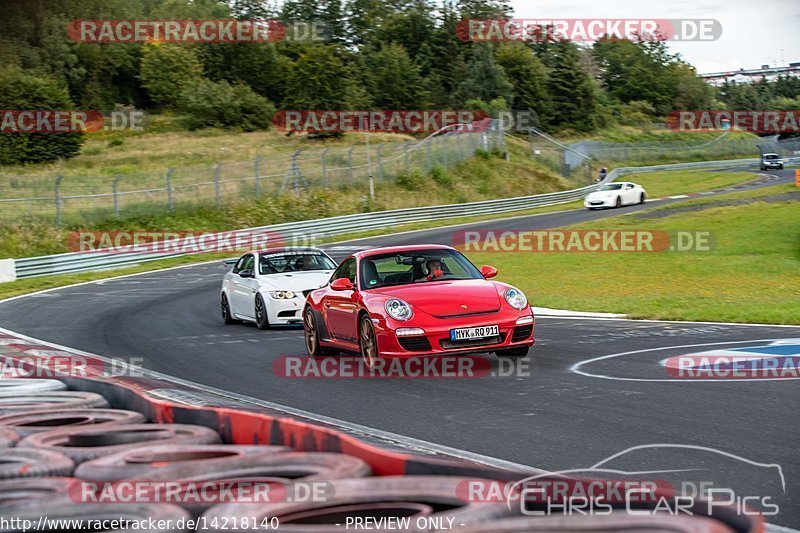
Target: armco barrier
point(163, 400)
point(89, 261)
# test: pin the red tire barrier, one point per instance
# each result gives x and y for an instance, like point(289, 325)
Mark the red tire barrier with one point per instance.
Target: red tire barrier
point(39, 401)
point(18, 490)
point(13, 386)
point(436, 499)
point(282, 467)
point(141, 462)
point(65, 509)
point(29, 462)
point(8, 437)
point(83, 444)
point(612, 523)
point(277, 472)
point(49, 419)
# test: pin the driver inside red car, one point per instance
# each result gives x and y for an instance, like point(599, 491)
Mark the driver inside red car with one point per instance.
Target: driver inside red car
point(434, 267)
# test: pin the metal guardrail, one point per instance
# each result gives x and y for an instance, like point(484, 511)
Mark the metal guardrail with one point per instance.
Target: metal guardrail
point(92, 261)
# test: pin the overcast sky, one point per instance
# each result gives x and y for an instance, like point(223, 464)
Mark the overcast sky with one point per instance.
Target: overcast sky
point(753, 31)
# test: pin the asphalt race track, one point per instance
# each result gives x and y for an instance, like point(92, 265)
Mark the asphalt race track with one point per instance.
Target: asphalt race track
point(568, 413)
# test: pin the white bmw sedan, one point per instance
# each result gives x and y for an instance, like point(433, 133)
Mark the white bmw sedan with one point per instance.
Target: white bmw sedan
point(269, 287)
point(616, 194)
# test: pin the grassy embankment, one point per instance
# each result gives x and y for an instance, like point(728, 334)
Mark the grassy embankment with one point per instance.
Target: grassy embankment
point(750, 274)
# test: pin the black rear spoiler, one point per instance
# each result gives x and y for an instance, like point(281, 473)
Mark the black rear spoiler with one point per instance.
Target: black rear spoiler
point(229, 262)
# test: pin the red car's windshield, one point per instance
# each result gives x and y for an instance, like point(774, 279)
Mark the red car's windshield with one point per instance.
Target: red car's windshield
point(419, 266)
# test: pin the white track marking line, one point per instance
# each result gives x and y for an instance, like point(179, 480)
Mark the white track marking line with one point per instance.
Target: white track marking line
point(772, 528)
point(576, 367)
point(644, 320)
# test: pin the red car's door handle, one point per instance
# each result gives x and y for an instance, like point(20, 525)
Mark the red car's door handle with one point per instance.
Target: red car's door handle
point(327, 304)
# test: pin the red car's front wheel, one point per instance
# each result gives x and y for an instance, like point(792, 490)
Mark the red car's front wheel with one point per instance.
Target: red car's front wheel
point(367, 341)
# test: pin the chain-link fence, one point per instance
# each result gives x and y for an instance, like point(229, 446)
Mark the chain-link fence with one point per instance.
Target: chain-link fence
point(784, 148)
point(58, 199)
point(559, 157)
point(581, 161)
point(721, 147)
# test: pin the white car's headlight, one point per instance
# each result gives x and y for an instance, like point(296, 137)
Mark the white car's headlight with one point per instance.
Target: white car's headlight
point(515, 298)
point(282, 295)
point(398, 309)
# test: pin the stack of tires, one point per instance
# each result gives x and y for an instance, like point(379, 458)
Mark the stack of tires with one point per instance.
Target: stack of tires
point(62, 453)
point(66, 455)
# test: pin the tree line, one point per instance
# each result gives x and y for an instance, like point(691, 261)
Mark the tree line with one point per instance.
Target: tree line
point(385, 54)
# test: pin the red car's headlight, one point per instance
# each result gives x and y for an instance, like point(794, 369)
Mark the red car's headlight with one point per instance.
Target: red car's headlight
point(398, 309)
point(515, 298)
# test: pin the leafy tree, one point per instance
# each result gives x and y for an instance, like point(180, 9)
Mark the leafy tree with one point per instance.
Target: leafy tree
point(21, 91)
point(433, 84)
point(746, 96)
point(167, 69)
point(327, 14)
point(484, 9)
point(692, 91)
point(484, 78)
point(222, 105)
point(394, 79)
point(364, 17)
point(527, 74)
point(630, 74)
point(413, 27)
point(258, 65)
point(321, 79)
point(572, 91)
point(786, 86)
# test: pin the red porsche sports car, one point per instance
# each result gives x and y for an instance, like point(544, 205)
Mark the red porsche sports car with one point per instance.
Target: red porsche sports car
point(416, 300)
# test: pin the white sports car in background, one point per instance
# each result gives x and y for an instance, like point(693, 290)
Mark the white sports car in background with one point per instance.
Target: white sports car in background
point(616, 194)
point(269, 287)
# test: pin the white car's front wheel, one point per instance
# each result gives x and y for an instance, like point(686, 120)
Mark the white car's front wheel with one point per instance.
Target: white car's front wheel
point(262, 320)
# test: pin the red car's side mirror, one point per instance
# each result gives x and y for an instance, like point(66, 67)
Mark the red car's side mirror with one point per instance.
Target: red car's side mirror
point(342, 284)
point(488, 271)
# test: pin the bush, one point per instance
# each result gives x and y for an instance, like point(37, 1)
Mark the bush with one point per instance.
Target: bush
point(637, 113)
point(410, 181)
point(440, 176)
point(167, 69)
point(19, 91)
point(222, 105)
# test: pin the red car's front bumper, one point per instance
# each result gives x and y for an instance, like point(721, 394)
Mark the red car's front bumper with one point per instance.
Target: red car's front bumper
point(436, 337)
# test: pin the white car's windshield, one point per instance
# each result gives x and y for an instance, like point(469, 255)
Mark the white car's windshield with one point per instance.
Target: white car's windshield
point(301, 261)
point(771, 156)
point(611, 187)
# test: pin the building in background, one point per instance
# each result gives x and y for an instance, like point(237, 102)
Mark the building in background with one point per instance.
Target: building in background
point(765, 73)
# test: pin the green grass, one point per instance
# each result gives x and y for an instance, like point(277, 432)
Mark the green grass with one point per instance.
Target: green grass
point(659, 184)
point(35, 284)
point(481, 178)
point(750, 275)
